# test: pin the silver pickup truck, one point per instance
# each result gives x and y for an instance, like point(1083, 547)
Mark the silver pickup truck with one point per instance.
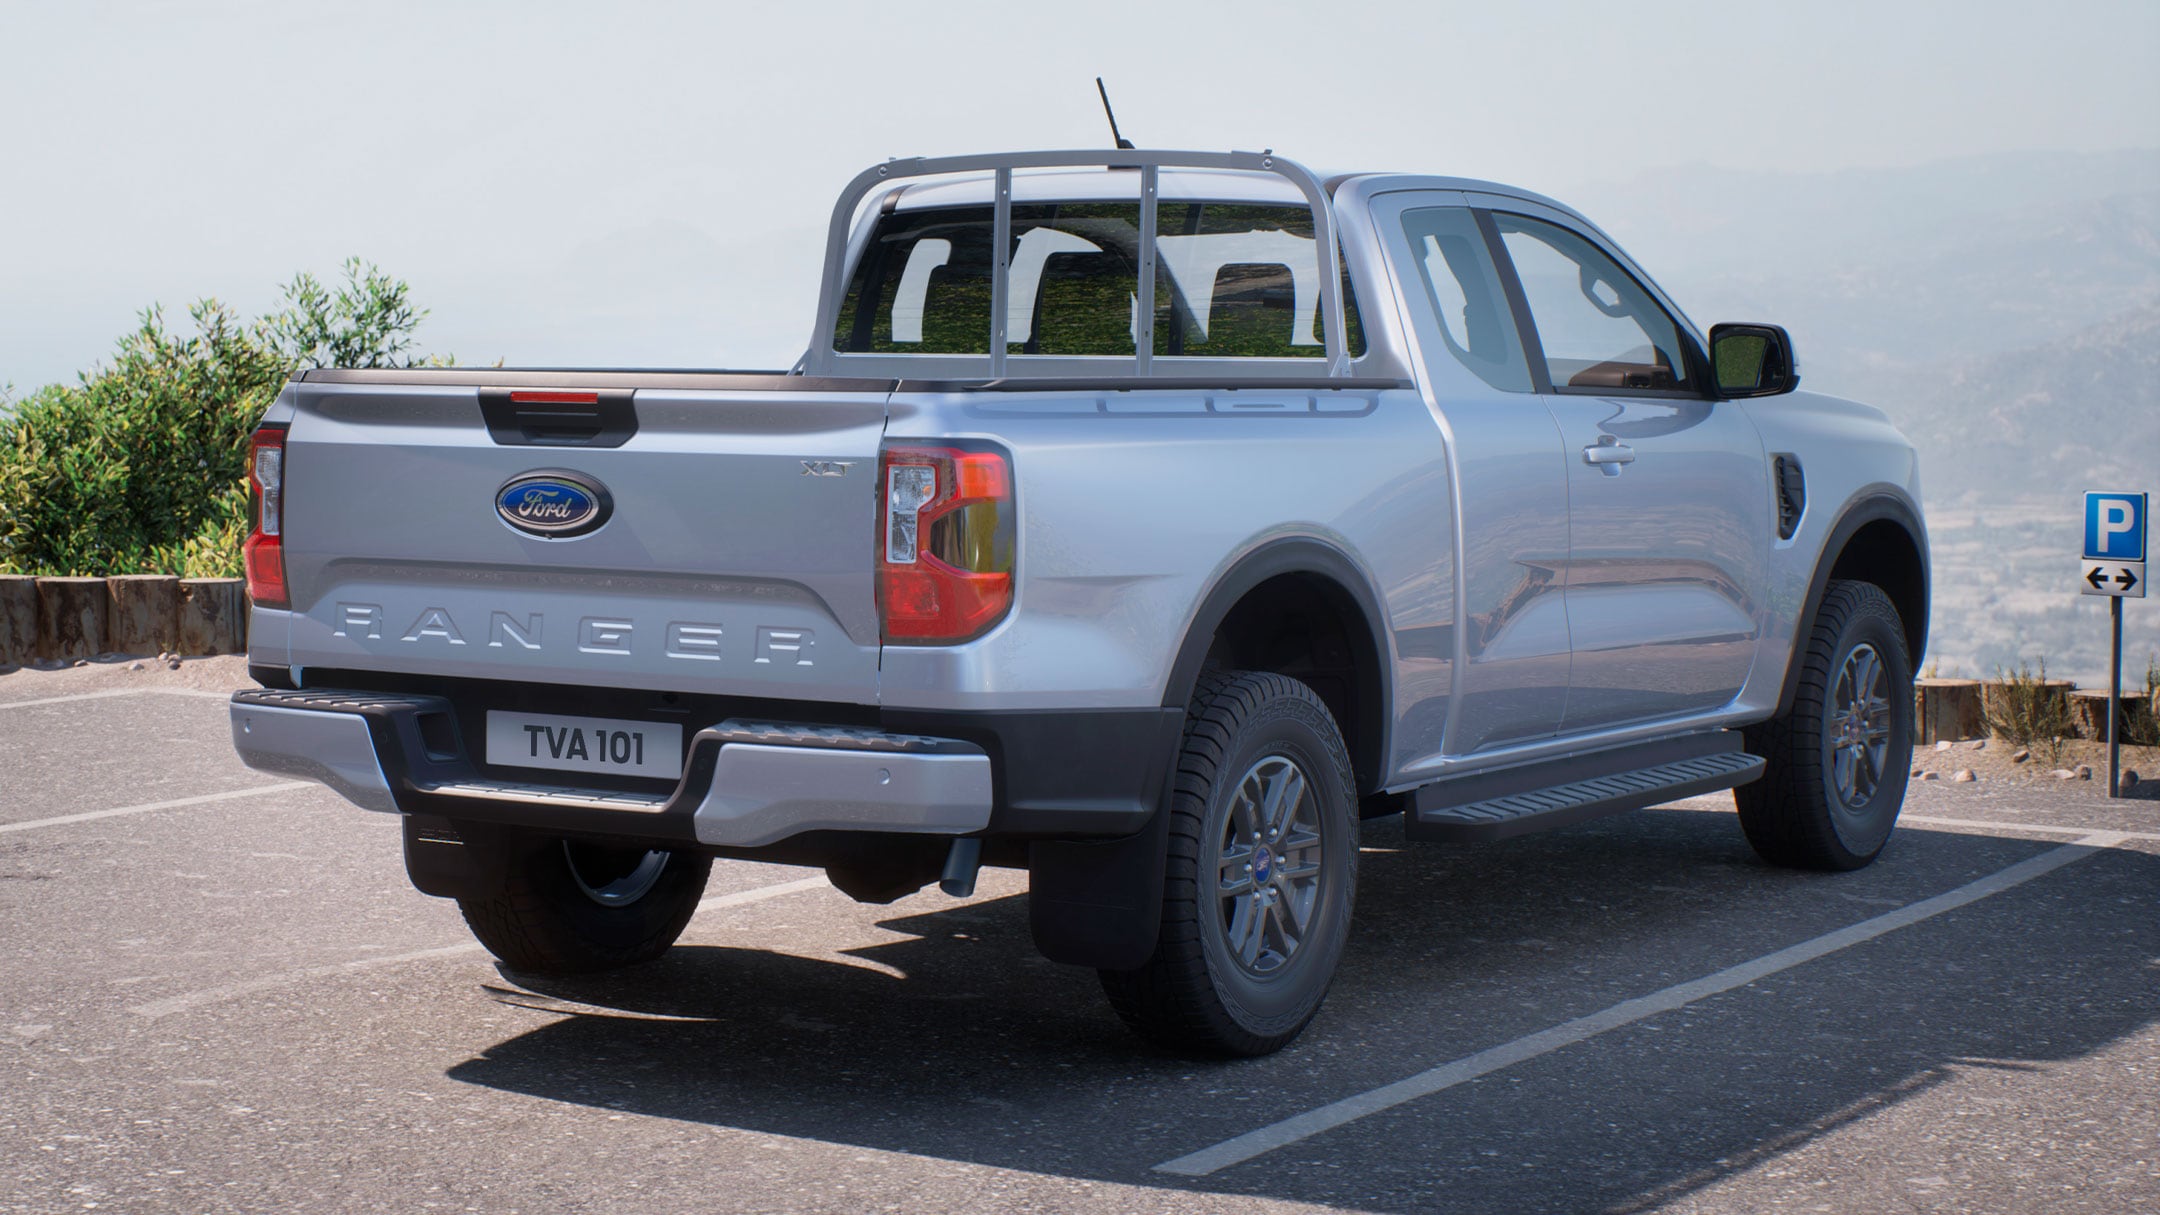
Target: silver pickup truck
point(1143, 519)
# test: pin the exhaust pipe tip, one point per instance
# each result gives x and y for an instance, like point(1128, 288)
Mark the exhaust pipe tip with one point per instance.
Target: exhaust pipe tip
point(961, 866)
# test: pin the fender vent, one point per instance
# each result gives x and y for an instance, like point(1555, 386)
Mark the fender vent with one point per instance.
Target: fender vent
point(1791, 495)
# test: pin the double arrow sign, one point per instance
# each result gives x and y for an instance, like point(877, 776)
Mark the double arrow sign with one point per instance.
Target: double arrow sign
point(2122, 578)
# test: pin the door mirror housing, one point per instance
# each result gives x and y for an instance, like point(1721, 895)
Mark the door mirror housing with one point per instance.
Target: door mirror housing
point(1753, 360)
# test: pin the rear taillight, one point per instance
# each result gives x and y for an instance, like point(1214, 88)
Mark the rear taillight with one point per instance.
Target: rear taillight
point(264, 552)
point(945, 543)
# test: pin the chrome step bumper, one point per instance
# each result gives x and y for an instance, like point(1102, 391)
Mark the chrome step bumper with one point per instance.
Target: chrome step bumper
point(319, 740)
point(745, 784)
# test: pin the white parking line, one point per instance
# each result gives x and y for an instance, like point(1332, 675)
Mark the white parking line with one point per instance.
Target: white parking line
point(1992, 824)
point(215, 995)
point(758, 894)
point(111, 692)
point(212, 995)
point(1446, 1076)
point(175, 804)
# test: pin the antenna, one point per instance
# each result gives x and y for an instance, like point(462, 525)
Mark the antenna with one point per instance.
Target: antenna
point(1122, 142)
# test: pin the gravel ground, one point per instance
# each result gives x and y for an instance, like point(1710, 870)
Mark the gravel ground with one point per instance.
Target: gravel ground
point(1993, 761)
point(218, 992)
point(124, 672)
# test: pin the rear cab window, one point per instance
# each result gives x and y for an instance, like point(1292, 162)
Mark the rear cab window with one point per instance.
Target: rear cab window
point(1231, 280)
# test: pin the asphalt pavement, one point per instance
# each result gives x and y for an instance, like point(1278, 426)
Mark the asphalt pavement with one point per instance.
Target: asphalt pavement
point(219, 993)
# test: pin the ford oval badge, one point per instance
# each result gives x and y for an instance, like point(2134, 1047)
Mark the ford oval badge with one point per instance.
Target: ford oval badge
point(553, 504)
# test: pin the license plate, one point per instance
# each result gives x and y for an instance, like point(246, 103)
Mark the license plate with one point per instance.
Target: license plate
point(585, 744)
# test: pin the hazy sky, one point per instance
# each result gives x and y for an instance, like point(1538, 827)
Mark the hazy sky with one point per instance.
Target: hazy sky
point(647, 183)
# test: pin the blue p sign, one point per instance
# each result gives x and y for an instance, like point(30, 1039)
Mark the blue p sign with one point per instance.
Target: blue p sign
point(2114, 527)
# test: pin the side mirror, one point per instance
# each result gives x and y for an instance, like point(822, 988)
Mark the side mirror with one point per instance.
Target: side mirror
point(1753, 360)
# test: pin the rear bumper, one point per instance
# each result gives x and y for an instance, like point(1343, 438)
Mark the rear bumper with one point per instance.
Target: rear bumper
point(746, 783)
point(333, 748)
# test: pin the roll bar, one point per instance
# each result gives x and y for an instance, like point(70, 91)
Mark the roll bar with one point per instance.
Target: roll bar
point(822, 359)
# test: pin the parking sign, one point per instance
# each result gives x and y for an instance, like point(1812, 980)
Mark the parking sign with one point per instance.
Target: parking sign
point(2114, 527)
point(2114, 545)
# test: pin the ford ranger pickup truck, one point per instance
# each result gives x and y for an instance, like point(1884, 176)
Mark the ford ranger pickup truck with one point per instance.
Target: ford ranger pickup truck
point(1142, 519)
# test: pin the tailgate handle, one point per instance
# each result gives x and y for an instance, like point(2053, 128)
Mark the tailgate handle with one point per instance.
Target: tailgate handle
point(548, 417)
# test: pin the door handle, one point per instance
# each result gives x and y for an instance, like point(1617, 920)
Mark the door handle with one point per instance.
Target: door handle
point(1608, 453)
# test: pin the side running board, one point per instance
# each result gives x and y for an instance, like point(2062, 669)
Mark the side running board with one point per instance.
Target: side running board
point(1535, 797)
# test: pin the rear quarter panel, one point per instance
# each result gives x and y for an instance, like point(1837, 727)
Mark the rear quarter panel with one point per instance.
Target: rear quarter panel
point(1133, 505)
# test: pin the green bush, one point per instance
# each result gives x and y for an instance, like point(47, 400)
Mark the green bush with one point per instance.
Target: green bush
point(142, 466)
point(2023, 709)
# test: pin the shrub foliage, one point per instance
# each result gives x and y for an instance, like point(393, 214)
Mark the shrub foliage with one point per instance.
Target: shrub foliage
point(2026, 710)
point(141, 467)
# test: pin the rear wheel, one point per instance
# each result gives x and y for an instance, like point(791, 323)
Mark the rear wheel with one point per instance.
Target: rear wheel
point(1838, 761)
point(571, 907)
point(1261, 873)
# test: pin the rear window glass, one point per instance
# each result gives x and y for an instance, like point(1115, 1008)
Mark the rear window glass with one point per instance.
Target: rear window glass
point(1230, 280)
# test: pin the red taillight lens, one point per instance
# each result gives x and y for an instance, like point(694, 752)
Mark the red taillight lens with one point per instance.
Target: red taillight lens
point(264, 552)
point(945, 543)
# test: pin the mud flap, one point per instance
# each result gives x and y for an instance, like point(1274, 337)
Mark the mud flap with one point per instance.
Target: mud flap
point(453, 860)
point(1098, 902)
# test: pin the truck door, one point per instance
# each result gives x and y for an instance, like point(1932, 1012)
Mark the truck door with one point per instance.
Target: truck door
point(1668, 490)
point(1510, 641)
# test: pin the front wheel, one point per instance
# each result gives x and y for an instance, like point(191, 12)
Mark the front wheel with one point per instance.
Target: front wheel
point(1838, 761)
point(565, 906)
point(1261, 873)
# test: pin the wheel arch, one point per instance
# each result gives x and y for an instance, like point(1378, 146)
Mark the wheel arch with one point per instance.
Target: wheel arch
point(1878, 539)
point(1251, 615)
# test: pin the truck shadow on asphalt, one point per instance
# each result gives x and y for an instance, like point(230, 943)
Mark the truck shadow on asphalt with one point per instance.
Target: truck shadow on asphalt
point(984, 1053)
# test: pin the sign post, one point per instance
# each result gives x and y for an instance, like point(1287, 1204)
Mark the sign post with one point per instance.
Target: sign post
point(2114, 566)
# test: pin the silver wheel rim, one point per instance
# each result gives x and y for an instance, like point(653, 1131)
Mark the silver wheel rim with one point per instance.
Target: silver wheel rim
point(617, 891)
point(1268, 865)
point(1858, 737)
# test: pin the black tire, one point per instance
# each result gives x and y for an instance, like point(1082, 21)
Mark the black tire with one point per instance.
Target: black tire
point(569, 907)
point(1806, 812)
point(1197, 994)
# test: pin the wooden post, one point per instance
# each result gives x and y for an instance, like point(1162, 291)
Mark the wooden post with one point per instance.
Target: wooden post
point(2139, 723)
point(1947, 710)
point(144, 616)
point(2088, 712)
point(18, 619)
point(71, 617)
point(213, 615)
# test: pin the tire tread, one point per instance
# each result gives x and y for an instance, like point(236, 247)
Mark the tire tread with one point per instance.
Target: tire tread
point(1172, 999)
point(1785, 812)
point(524, 923)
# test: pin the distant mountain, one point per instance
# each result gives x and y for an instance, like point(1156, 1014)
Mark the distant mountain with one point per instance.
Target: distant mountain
point(1696, 222)
point(2054, 419)
point(1864, 325)
point(2004, 310)
point(2007, 446)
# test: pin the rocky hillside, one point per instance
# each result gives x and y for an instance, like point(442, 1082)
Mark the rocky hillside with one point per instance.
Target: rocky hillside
point(2058, 418)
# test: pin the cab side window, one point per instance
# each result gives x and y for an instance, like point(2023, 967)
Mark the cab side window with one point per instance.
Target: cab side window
point(1467, 300)
point(1599, 329)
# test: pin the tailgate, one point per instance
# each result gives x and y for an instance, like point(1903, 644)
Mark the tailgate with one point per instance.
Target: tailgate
point(722, 545)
